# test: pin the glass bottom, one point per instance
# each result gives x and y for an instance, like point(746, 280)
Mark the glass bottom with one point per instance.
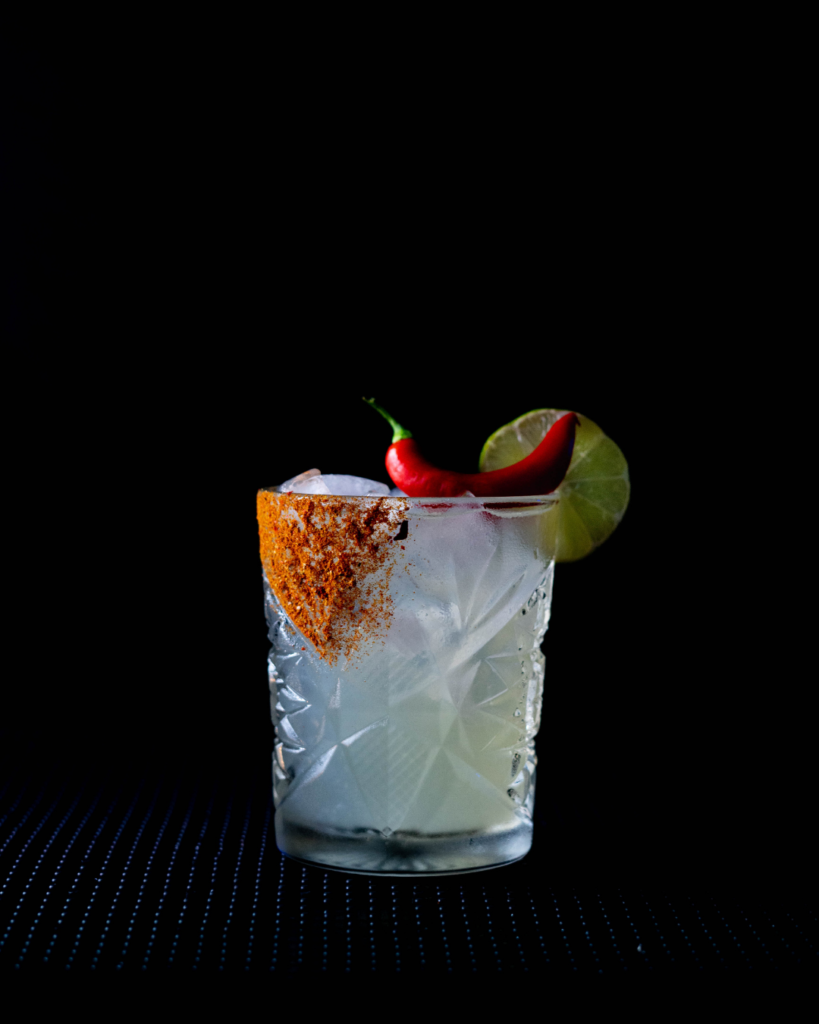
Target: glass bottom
point(403, 853)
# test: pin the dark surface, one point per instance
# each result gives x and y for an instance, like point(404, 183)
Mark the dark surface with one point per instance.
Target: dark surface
point(137, 865)
point(187, 326)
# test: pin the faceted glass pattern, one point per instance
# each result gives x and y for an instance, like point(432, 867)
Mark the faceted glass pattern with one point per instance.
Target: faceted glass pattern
point(417, 754)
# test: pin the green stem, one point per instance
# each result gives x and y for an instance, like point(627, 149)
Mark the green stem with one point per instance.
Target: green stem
point(398, 432)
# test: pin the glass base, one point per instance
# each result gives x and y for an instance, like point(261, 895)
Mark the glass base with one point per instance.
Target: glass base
point(403, 853)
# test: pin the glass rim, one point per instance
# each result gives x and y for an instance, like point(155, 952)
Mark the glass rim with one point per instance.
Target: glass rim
point(438, 505)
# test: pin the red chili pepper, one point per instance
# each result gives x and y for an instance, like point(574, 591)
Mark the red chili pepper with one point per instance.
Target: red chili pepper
point(539, 473)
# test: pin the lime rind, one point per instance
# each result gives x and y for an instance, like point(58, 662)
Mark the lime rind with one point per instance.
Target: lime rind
point(594, 493)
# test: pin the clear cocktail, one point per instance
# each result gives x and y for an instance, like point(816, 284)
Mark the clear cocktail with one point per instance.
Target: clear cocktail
point(406, 676)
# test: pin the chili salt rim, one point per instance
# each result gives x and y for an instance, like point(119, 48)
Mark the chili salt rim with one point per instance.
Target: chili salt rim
point(329, 563)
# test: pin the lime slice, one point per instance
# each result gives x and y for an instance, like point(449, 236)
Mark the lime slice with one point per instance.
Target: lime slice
point(595, 491)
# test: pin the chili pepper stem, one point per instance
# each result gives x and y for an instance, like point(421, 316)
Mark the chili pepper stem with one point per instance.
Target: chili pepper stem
point(399, 432)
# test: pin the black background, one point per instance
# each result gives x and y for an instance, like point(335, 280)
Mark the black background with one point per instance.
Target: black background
point(203, 291)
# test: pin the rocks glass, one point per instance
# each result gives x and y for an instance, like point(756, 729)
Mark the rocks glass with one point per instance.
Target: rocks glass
point(406, 676)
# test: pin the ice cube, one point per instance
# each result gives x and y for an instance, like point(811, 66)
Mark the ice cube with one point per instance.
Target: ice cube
point(396, 492)
point(340, 483)
point(314, 482)
point(295, 482)
point(313, 485)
